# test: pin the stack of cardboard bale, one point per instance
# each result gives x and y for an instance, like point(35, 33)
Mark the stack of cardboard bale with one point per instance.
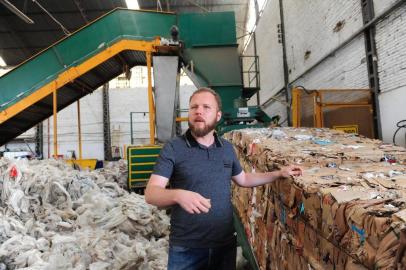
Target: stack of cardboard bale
point(347, 211)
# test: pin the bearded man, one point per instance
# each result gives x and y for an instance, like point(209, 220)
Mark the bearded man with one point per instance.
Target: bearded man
point(199, 167)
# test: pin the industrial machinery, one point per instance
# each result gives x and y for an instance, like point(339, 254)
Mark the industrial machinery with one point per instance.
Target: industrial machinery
point(87, 59)
point(203, 44)
point(80, 63)
point(141, 161)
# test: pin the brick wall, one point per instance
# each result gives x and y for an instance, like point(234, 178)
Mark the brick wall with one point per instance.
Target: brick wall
point(391, 48)
point(315, 28)
point(381, 5)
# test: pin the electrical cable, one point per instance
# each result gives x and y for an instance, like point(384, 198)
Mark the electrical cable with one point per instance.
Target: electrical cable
point(66, 31)
point(309, 92)
point(284, 103)
point(401, 124)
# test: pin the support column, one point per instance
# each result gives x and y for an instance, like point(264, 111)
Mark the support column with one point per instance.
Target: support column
point(79, 131)
point(150, 101)
point(368, 15)
point(55, 115)
point(296, 110)
point(258, 79)
point(106, 123)
point(281, 30)
point(39, 140)
point(254, 36)
point(49, 138)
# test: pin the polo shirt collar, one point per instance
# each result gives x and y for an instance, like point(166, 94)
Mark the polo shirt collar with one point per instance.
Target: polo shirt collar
point(191, 141)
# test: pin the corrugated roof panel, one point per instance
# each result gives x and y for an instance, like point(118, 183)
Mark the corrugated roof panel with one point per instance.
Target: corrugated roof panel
point(19, 40)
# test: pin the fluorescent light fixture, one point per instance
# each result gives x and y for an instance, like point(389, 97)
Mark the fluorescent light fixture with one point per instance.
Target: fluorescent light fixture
point(16, 11)
point(2, 63)
point(132, 4)
point(3, 68)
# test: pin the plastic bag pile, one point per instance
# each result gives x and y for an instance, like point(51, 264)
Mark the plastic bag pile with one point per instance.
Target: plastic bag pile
point(54, 217)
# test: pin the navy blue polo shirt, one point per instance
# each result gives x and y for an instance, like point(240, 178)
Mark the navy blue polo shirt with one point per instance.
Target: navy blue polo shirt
point(206, 170)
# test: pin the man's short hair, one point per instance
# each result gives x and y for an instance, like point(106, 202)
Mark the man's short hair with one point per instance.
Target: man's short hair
point(208, 90)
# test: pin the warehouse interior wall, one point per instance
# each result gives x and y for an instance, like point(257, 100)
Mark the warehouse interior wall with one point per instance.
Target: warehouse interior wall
point(391, 59)
point(270, 52)
point(313, 29)
point(123, 101)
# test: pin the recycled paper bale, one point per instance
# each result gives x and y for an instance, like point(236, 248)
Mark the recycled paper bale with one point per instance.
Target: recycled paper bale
point(347, 211)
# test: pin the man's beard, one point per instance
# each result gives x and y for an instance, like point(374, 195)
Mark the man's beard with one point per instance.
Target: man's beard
point(201, 132)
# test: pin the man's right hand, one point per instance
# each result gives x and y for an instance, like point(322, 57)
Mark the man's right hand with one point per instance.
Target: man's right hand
point(192, 202)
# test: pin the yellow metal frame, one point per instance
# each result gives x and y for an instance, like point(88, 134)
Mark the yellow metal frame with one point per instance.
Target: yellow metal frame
point(74, 72)
point(296, 119)
point(83, 163)
point(150, 101)
point(91, 22)
point(318, 110)
point(182, 119)
point(79, 131)
point(318, 104)
point(55, 114)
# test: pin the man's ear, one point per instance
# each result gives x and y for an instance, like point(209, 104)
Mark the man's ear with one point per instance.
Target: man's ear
point(218, 116)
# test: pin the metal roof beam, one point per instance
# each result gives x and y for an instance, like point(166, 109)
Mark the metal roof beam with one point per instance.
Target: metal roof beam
point(17, 38)
point(83, 86)
point(78, 4)
point(30, 49)
point(16, 11)
point(66, 31)
point(122, 59)
point(46, 31)
point(98, 74)
point(62, 12)
point(43, 105)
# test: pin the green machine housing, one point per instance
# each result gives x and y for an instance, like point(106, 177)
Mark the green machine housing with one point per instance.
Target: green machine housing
point(210, 44)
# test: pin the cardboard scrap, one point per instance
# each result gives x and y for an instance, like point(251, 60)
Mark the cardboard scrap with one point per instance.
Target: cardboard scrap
point(346, 212)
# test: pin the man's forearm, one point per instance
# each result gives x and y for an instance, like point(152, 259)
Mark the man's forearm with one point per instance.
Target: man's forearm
point(190, 201)
point(160, 197)
point(258, 179)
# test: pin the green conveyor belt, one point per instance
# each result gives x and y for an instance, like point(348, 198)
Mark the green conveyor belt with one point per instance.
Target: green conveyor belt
point(25, 95)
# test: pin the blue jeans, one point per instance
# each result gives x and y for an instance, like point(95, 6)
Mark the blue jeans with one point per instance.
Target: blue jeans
point(220, 258)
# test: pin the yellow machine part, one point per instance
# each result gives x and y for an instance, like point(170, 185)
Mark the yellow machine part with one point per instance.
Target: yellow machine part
point(349, 110)
point(83, 163)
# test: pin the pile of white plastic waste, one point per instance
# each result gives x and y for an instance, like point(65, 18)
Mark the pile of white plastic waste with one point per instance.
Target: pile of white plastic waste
point(54, 217)
point(116, 171)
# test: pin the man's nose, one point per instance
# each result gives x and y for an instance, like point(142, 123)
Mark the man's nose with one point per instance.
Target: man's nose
point(199, 110)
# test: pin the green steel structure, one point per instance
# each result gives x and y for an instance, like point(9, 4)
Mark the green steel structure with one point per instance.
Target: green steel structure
point(80, 63)
point(83, 61)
